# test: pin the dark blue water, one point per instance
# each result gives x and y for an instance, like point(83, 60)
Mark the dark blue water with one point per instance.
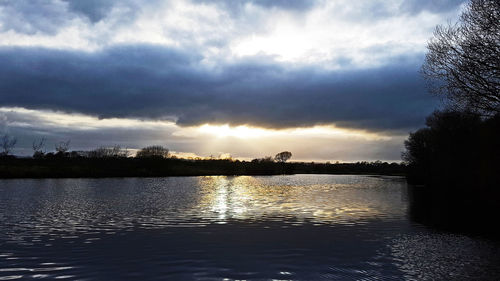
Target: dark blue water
point(301, 227)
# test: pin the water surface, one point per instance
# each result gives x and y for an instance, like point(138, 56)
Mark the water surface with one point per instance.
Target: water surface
point(300, 227)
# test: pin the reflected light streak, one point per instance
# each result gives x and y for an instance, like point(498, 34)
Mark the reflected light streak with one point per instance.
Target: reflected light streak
point(251, 198)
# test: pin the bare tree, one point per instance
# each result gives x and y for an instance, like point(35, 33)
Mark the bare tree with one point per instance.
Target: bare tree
point(463, 60)
point(62, 146)
point(282, 157)
point(154, 151)
point(7, 143)
point(108, 152)
point(38, 144)
point(38, 148)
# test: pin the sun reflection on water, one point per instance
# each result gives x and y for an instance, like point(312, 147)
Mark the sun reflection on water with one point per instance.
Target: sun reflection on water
point(256, 198)
point(300, 227)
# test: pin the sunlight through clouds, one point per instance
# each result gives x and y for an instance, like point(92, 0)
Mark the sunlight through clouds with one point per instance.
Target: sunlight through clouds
point(86, 132)
point(246, 132)
point(327, 80)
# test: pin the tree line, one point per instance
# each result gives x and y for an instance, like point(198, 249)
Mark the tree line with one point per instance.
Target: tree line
point(453, 161)
point(156, 161)
point(462, 66)
point(116, 151)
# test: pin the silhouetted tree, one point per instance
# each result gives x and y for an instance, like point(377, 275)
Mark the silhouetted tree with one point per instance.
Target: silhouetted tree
point(267, 159)
point(38, 148)
point(7, 143)
point(282, 157)
point(463, 59)
point(108, 152)
point(154, 151)
point(62, 147)
point(451, 146)
point(456, 158)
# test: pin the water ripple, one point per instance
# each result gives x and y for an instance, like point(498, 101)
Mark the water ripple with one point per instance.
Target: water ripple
point(302, 227)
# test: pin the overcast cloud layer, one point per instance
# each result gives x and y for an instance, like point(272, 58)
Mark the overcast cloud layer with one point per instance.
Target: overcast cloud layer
point(274, 64)
point(162, 83)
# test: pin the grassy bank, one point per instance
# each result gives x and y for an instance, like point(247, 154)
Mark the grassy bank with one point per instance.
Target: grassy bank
point(69, 167)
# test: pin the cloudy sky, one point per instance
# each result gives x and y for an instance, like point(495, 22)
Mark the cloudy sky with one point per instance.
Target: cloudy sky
point(328, 80)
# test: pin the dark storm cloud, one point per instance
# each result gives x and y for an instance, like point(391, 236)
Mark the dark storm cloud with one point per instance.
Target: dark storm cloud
point(156, 82)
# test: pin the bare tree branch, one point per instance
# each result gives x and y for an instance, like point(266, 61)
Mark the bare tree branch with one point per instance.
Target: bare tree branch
point(7, 143)
point(463, 59)
point(62, 147)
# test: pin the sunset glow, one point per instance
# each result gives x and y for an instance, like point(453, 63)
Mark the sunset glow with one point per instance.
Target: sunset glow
point(249, 139)
point(327, 80)
point(321, 142)
point(243, 132)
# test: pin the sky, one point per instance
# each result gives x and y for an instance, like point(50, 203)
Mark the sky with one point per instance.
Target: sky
point(334, 80)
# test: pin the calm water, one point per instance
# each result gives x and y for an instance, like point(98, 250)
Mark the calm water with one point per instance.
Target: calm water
point(300, 227)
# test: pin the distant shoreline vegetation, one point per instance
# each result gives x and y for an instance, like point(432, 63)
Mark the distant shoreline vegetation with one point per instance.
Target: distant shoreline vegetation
point(155, 161)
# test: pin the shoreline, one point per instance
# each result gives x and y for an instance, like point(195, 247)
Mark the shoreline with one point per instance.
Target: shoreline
point(205, 175)
point(28, 168)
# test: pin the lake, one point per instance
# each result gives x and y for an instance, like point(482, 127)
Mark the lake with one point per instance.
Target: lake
point(294, 227)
